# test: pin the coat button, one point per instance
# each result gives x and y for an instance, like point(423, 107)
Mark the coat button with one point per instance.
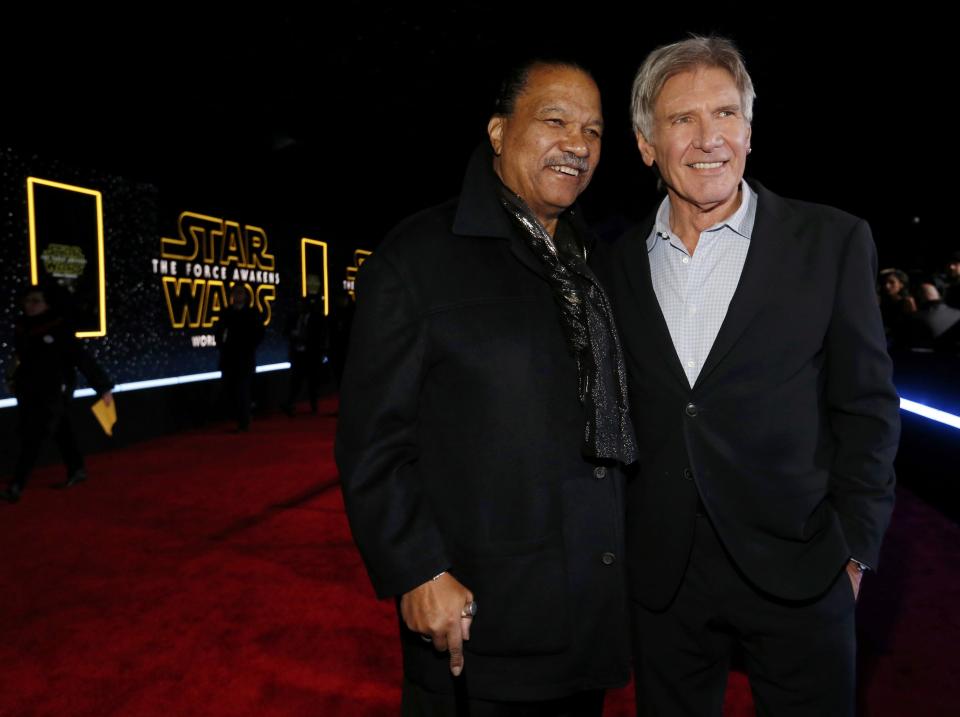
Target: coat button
point(692, 409)
point(608, 558)
point(688, 474)
point(599, 472)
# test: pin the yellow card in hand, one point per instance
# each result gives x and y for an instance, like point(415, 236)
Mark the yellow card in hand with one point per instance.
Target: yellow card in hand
point(106, 415)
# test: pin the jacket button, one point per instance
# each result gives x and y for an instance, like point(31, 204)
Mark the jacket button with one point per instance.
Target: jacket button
point(608, 558)
point(692, 409)
point(599, 472)
point(688, 474)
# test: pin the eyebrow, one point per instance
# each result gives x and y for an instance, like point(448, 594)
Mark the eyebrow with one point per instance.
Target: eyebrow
point(563, 111)
point(733, 107)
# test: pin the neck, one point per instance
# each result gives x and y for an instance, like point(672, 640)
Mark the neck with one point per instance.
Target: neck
point(688, 220)
point(548, 222)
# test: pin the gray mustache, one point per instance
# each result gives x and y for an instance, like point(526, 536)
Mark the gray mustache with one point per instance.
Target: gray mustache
point(570, 160)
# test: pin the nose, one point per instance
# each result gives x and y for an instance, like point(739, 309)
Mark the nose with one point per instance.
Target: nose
point(709, 137)
point(575, 141)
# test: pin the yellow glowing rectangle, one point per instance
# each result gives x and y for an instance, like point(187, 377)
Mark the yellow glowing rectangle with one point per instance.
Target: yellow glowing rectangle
point(359, 256)
point(34, 272)
point(304, 241)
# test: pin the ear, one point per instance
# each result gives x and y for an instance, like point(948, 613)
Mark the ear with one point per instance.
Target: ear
point(495, 132)
point(749, 133)
point(646, 150)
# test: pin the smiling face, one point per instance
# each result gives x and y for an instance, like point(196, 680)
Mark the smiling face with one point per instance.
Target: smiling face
point(548, 147)
point(699, 141)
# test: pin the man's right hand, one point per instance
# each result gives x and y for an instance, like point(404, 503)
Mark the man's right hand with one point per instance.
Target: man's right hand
point(435, 609)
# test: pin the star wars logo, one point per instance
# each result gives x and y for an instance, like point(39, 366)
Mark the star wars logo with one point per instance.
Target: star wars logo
point(208, 257)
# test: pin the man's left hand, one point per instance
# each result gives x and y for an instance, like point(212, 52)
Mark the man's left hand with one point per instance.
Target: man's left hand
point(856, 575)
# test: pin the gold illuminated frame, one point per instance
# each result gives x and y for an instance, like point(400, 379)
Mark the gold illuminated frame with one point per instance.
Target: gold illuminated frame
point(304, 241)
point(34, 271)
point(359, 256)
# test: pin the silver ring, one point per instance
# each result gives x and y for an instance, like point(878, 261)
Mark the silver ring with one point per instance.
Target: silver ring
point(426, 638)
point(469, 610)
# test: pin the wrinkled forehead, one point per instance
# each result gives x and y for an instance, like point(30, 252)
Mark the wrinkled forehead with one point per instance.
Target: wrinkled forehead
point(558, 87)
point(704, 79)
point(697, 83)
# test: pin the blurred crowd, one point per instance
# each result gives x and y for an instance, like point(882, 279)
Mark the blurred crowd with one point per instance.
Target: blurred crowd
point(921, 310)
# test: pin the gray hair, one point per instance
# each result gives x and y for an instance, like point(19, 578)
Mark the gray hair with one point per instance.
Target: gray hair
point(669, 60)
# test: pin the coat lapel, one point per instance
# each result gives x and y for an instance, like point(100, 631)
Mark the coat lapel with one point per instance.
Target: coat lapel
point(762, 264)
point(480, 214)
point(649, 317)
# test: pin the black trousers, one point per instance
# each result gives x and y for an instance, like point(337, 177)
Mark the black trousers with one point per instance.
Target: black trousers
point(39, 420)
point(418, 702)
point(800, 656)
point(237, 393)
point(304, 368)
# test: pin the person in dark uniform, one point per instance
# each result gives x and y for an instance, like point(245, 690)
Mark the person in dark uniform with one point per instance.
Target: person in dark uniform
point(308, 337)
point(483, 425)
point(341, 323)
point(47, 356)
point(239, 333)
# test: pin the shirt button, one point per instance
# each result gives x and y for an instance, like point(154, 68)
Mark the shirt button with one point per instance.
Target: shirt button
point(688, 474)
point(693, 310)
point(685, 260)
point(691, 364)
point(608, 558)
point(599, 472)
point(692, 410)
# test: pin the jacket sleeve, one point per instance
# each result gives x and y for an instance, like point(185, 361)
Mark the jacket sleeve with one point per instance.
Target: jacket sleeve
point(862, 403)
point(377, 440)
point(97, 378)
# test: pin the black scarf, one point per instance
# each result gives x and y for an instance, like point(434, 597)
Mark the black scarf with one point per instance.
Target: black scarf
point(587, 323)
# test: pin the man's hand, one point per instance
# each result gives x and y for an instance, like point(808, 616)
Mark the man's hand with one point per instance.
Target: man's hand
point(435, 609)
point(107, 398)
point(856, 575)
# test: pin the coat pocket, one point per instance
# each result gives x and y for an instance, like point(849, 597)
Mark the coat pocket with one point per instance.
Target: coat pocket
point(521, 600)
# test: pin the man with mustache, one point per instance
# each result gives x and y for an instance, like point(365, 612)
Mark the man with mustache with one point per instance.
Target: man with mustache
point(766, 419)
point(483, 422)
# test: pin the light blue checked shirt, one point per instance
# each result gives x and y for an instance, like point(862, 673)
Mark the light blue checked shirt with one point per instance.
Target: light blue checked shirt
point(695, 291)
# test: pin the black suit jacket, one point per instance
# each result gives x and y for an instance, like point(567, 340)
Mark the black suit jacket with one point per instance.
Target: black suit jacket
point(789, 434)
point(459, 449)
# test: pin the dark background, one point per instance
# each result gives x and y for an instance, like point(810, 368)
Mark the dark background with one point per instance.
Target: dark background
point(336, 127)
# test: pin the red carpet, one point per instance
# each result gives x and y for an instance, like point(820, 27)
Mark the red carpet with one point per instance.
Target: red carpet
point(213, 574)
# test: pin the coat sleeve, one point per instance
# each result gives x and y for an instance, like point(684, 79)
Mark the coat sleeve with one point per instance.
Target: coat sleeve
point(862, 403)
point(92, 371)
point(377, 439)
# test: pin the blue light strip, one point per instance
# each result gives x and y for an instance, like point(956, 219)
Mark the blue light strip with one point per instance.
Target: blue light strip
point(158, 382)
point(919, 409)
point(934, 414)
point(273, 367)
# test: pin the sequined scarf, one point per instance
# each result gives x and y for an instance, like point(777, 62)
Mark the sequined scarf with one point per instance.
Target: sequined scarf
point(587, 321)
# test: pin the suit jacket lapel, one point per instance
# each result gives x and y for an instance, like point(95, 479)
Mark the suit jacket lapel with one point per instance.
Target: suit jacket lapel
point(762, 264)
point(649, 317)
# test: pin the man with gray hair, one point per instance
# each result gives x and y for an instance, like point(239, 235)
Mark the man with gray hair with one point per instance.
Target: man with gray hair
point(766, 418)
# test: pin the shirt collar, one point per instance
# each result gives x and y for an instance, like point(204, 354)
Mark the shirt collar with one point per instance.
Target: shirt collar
point(741, 221)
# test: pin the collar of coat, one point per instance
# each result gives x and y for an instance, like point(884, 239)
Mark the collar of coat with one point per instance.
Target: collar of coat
point(479, 212)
